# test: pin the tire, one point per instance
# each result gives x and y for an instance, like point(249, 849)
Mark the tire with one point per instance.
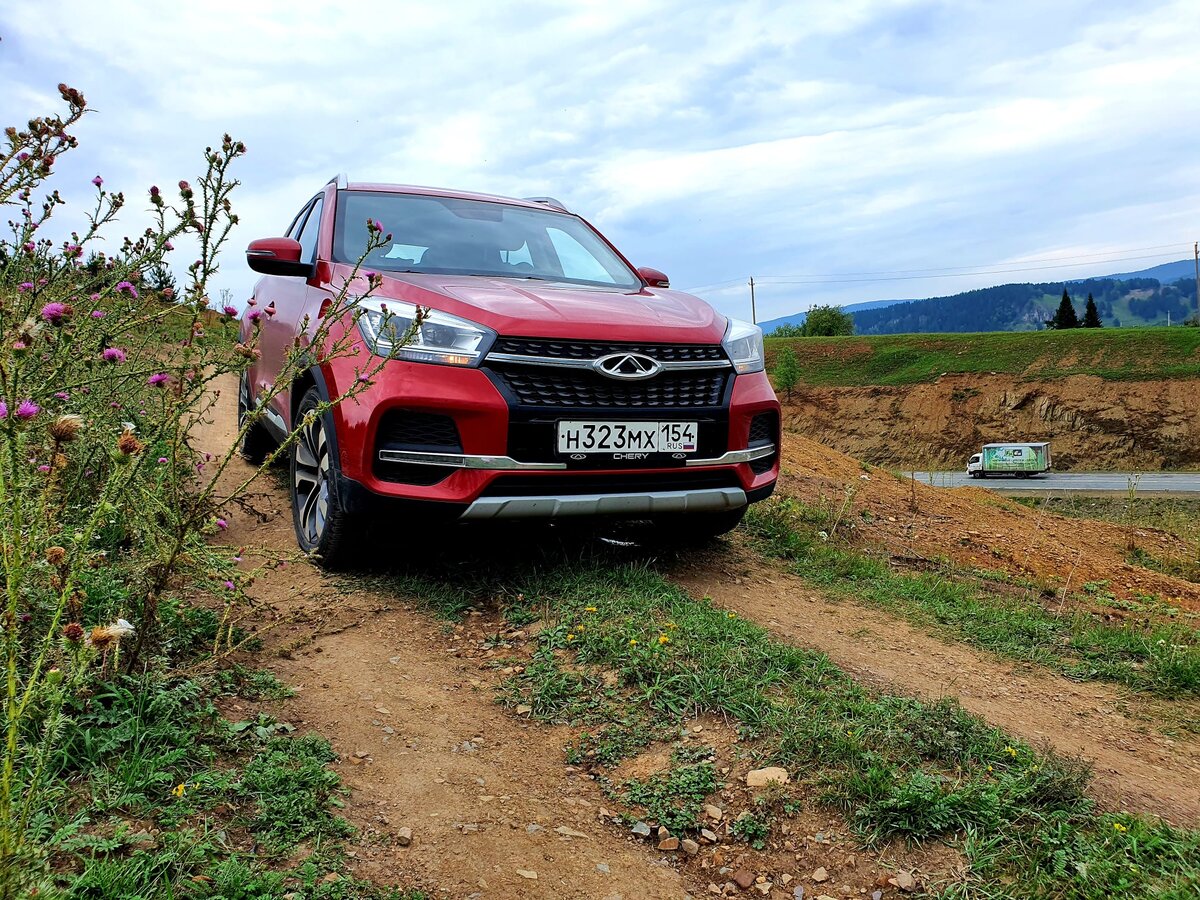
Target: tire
point(323, 527)
point(696, 529)
point(257, 442)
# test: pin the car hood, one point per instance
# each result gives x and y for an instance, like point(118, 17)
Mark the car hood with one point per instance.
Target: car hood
point(528, 308)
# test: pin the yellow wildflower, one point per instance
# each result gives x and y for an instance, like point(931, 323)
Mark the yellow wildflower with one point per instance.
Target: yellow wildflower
point(633, 642)
point(729, 615)
point(570, 637)
point(1119, 828)
point(589, 609)
point(1011, 751)
point(179, 789)
point(663, 639)
point(672, 625)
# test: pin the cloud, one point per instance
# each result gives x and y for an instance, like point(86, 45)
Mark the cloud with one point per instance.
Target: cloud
point(714, 141)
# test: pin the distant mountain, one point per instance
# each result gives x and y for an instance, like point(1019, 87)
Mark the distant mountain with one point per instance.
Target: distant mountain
point(1144, 297)
point(1026, 307)
point(1165, 273)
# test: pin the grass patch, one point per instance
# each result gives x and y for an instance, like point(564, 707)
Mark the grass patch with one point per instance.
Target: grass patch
point(156, 795)
point(894, 766)
point(1158, 659)
point(1114, 354)
point(675, 798)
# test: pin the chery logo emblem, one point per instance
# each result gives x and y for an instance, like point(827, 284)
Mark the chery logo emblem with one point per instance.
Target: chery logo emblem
point(627, 366)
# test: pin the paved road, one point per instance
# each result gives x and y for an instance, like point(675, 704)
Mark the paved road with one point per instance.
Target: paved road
point(1100, 483)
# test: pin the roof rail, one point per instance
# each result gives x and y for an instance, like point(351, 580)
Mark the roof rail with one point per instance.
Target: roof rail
point(548, 201)
point(339, 179)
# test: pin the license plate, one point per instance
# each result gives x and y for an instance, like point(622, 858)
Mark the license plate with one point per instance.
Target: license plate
point(627, 437)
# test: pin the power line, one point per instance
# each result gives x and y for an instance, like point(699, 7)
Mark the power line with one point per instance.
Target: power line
point(944, 272)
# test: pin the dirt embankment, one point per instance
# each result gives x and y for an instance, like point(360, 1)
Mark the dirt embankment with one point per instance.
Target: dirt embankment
point(975, 528)
point(1092, 423)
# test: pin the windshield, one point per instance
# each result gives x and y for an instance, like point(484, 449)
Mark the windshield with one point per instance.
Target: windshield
point(448, 235)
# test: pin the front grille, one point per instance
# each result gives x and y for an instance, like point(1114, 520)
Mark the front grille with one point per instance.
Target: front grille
point(764, 429)
point(552, 349)
point(406, 429)
point(542, 387)
point(625, 483)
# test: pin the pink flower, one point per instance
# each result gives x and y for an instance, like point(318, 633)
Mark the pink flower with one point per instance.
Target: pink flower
point(98, 314)
point(3, 410)
point(154, 190)
point(158, 379)
point(230, 585)
point(25, 286)
point(222, 524)
point(113, 355)
point(28, 409)
point(128, 288)
point(168, 246)
point(62, 395)
point(97, 181)
point(230, 310)
point(20, 346)
point(54, 313)
point(28, 246)
point(162, 460)
point(253, 316)
point(43, 469)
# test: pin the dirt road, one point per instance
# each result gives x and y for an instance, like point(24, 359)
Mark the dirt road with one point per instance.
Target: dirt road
point(407, 701)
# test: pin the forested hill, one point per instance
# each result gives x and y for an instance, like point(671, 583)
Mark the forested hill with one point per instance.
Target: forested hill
point(1026, 307)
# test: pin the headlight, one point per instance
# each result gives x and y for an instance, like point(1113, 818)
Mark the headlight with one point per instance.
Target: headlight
point(439, 337)
point(744, 344)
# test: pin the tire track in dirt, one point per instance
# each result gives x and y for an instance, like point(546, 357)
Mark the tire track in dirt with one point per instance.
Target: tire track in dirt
point(1137, 768)
point(481, 791)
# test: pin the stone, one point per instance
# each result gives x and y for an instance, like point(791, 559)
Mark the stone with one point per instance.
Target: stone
point(763, 777)
point(527, 873)
point(904, 881)
point(641, 829)
point(743, 878)
point(798, 893)
point(533, 829)
point(403, 836)
point(764, 888)
point(663, 832)
point(785, 878)
point(670, 843)
point(690, 847)
point(603, 868)
point(569, 832)
point(708, 836)
point(524, 709)
point(820, 875)
point(713, 812)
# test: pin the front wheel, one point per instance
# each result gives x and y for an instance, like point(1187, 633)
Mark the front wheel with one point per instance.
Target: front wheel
point(323, 527)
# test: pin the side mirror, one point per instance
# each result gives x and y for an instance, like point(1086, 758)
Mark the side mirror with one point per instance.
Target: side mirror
point(654, 278)
point(277, 256)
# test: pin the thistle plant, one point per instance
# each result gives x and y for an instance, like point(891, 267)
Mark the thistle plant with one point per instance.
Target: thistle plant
point(106, 373)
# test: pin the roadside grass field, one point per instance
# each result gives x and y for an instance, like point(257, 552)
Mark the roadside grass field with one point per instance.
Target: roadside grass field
point(1116, 354)
point(629, 658)
point(1160, 655)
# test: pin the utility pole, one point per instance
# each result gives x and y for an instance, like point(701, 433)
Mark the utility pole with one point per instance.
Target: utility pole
point(1196, 248)
point(753, 313)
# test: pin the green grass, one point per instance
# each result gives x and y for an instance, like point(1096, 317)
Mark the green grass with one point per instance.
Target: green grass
point(1119, 354)
point(1161, 659)
point(156, 795)
point(893, 766)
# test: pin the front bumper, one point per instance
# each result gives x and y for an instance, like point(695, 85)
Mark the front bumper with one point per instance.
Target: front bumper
point(485, 480)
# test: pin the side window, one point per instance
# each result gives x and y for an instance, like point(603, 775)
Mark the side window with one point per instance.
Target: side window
point(308, 236)
point(297, 223)
point(575, 260)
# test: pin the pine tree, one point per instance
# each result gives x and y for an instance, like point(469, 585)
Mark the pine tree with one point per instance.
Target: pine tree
point(787, 371)
point(1091, 315)
point(1065, 317)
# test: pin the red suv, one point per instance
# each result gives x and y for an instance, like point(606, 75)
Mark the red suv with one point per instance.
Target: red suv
point(549, 377)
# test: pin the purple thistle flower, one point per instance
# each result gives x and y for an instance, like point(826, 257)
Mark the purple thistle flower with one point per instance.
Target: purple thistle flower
point(222, 524)
point(97, 181)
point(44, 469)
point(113, 355)
point(162, 460)
point(62, 395)
point(54, 313)
point(24, 286)
point(28, 409)
point(98, 314)
point(3, 410)
point(230, 585)
point(253, 316)
point(168, 246)
point(28, 246)
point(230, 310)
point(158, 379)
point(128, 288)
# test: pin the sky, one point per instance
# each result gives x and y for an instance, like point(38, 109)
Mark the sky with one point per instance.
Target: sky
point(837, 152)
